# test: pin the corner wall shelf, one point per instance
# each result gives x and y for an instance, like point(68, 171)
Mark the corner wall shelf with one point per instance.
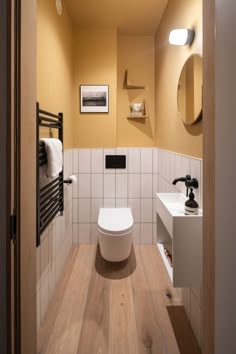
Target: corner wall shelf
point(128, 85)
point(138, 116)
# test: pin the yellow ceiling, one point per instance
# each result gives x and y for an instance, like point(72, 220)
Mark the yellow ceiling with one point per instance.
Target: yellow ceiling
point(128, 16)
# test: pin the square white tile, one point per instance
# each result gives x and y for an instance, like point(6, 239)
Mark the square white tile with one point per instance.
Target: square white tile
point(167, 166)
point(97, 186)
point(84, 161)
point(96, 204)
point(94, 233)
point(75, 166)
point(83, 185)
point(185, 166)
point(134, 185)
point(146, 233)
point(121, 186)
point(178, 171)
point(134, 160)
point(195, 171)
point(75, 213)
point(135, 205)
point(146, 185)
point(154, 211)
point(109, 203)
point(146, 160)
point(137, 233)
point(155, 184)
point(84, 234)
point(75, 229)
point(146, 210)
point(97, 165)
point(121, 203)
point(154, 234)
point(109, 185)
point(155, 162)
point(84, 210)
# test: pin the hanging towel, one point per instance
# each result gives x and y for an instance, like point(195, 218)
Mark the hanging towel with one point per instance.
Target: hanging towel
point(53, 148)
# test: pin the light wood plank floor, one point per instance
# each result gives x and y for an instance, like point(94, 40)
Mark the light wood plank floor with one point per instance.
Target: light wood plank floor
point(108, 308)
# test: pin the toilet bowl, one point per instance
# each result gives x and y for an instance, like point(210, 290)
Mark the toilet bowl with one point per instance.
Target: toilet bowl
point(115, 226)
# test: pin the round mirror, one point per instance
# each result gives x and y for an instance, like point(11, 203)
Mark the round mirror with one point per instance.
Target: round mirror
point(189, 94)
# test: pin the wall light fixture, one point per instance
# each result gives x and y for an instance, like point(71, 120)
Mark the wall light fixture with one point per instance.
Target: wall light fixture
point(181, 36)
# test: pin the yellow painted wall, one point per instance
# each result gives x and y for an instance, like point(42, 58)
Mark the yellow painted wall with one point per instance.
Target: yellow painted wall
point(95, 63)
point(171, 133)
point(137, 55)
point(55, 64)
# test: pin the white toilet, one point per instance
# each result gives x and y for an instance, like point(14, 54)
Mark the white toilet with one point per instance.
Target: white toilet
point(115, 226)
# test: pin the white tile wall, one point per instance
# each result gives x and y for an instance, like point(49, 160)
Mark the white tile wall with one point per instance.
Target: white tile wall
point(56, 243)
point(121, 185)
point(134, 183)
point(134, 161)
point(130, 187)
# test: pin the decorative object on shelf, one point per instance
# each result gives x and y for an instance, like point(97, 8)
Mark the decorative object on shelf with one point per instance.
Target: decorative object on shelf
point(182, 36)
point(94, 99)
point(138, 110)
point(59, 7)
point(128, 85)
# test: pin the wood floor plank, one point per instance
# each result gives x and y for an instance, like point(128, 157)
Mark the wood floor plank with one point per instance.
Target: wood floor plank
point(94, 337)
point(123, 331)
point(120, 308)
point(152, 335)
point(158, 277)
point(66, 332)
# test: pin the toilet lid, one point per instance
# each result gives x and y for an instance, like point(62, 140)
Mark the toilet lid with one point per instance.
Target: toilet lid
point(115, 221)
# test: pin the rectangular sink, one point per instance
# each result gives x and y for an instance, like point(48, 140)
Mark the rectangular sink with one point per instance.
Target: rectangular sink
point(182, 235)
point(170, 207)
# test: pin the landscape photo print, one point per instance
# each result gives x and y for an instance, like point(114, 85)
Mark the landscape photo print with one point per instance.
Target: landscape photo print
point(94, 99)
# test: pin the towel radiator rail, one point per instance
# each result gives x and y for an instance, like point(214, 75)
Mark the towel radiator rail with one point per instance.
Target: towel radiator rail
point(50, 198)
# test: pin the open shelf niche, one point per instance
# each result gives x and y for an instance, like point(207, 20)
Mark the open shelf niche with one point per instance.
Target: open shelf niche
point(137, 115)
point(130, 86)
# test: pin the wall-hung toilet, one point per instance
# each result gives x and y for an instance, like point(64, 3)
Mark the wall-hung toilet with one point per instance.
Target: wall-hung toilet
point(115, 227)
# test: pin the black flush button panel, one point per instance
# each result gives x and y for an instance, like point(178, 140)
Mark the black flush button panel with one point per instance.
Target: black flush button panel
point(115, 161)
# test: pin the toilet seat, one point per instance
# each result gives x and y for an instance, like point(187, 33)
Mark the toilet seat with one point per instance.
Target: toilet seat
point(115, 221)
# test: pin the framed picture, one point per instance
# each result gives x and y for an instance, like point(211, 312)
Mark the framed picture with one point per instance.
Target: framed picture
point(94, 99)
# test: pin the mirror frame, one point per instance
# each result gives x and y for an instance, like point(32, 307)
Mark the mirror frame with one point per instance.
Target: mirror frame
point(198, 117)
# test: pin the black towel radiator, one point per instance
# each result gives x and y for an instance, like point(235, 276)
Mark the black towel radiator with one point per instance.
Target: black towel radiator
point(50, 198)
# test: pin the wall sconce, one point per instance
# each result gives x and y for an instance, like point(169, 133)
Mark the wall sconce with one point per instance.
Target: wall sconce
point(181, 36)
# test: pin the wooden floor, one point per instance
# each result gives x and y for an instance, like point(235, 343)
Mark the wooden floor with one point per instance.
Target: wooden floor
point(107, 308)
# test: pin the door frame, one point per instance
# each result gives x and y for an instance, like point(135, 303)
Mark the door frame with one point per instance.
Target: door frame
point(5, 176)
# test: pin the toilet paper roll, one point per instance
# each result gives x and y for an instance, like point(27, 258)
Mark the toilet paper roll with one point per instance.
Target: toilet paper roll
point(71, 180)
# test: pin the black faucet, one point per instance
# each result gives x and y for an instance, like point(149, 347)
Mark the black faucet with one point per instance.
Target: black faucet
point(189, 182)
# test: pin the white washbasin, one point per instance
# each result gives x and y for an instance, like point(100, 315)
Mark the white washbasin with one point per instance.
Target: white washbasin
point(170, 207)
point(183, 236)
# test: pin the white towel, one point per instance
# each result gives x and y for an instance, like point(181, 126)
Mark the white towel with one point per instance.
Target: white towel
point(53, 148)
